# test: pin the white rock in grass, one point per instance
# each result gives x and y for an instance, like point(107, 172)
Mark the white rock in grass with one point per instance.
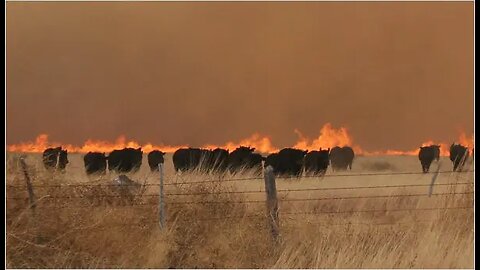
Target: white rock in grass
point(125, 182)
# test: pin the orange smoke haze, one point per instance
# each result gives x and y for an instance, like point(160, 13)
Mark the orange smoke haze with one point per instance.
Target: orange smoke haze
point(329, 137)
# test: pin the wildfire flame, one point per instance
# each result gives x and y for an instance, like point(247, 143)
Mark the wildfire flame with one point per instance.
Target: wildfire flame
point(329, 137)
point(465, 141)
point(262, 144)
point(41, 143)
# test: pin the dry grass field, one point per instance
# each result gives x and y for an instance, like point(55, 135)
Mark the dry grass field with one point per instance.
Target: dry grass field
point(220, 225)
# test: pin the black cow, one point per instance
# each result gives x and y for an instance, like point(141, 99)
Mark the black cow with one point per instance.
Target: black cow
point(255, 163)
point(125, 160)
point(243, 158)
point(458, 155)
point(204, 160)
point(316, 162)
point(154, 158)
point(62, 160)
point(218, 161)
point(272, 160)
point(95, 162)
point(55, 158)
point(427, 154)
point(185, 159)
point(288, 162)
point(341, 158)
point(436, 151)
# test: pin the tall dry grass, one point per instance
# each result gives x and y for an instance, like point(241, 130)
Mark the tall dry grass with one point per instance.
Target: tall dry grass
point(94, 227)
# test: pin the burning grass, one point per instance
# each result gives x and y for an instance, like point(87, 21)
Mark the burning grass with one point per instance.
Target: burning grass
point(94, 226)
point(328, 137)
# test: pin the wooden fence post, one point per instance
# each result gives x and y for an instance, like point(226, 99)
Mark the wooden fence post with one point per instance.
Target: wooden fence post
point(272, 202)
point(31, 195)
point(161, 207)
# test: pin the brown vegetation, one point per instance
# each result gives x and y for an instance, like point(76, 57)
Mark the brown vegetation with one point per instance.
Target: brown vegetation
point(92, 226)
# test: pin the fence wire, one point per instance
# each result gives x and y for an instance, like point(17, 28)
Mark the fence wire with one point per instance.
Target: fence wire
point(152, 205)
point(237, 179)
point(145, 204)
point(233, 192)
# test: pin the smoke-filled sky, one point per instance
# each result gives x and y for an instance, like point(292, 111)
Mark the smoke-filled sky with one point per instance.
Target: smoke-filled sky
point(395, 74)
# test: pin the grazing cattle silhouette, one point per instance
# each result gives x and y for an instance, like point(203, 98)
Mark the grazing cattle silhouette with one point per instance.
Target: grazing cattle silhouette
point(341, 158)
point(215, 161)
point(271, 160)
point(255, 163)
point(316, 162)
point(436, 151)
point(287, 162)
point(55, 158)
point(243, 158)
point(218, 161)
point(154, 158)
point(427, 154)
point(125, 160)
point(95, 162)
point(186, 159)
point(458, 155)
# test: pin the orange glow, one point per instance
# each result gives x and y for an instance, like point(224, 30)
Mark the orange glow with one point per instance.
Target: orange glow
point(262, 144)
point(41, 143)
point(390, 152)
point(468, 142)
point(329, 137)
point(444, 147)
point(444, 150)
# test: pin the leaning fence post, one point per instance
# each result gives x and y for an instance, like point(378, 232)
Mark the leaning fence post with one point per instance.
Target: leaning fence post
point(272, 203)
point(161, 208)
point(31, 195)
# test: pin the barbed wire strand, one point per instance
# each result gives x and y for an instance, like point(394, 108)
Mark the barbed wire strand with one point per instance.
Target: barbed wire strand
point(371, 174)
point(318, 189)
point(346, 211)
point(234, 192)
point(242, 179)
point(144, 224)
point(281, 201)
point(379, 210)
point(317, 212)
point(306, 189)
point(322, 199)
point(256, 191)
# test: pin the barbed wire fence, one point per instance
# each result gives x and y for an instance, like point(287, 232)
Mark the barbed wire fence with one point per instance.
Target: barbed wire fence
point(271, 201)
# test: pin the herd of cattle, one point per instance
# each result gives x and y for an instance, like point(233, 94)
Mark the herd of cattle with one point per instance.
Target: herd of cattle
point(458, 155)
point(287, 162)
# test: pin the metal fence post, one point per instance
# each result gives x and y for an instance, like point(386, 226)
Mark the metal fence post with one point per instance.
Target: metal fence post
point(272, 202)
point(161, 207)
